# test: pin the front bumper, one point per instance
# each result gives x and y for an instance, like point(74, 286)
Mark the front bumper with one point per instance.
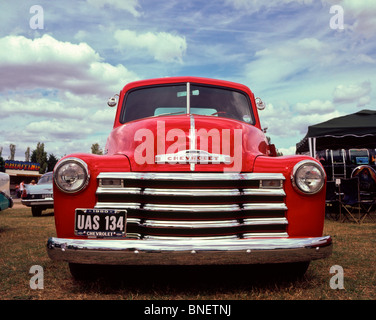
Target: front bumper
point(46, 203)
point(189, 252)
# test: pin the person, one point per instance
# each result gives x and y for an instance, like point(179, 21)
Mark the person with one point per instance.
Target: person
point(32, 182)
point(366, 181)
point(21, 188)
point(17, 189)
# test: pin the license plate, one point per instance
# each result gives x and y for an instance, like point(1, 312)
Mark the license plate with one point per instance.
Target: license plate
point(101, 223)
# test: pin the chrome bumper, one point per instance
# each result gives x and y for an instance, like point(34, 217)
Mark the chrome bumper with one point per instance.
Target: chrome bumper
point(189, 252)
point(38, 202)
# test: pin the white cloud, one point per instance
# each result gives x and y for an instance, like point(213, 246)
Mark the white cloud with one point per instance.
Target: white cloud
point(58, 129)
point(21, 50)
point(353, 93)
point(301, 122)
point(288, 151)
point(56, 92)
point(132, 6)
point(315, 107)
point(282, 61)
point(103, 116)
point(49, 63)
point(287, 123)
point(359, 16)
point(24, 105)
point(162, 46)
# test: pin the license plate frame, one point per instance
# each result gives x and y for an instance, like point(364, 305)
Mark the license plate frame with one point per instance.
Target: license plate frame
point(100, 223)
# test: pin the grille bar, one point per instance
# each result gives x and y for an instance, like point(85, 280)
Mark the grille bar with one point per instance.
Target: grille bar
point(196, 176)
point(196, 204)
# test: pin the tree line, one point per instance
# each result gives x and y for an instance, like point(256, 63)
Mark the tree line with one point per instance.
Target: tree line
point(39, 155)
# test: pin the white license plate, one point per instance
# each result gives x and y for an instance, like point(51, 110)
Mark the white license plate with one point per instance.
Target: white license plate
point(100, 223)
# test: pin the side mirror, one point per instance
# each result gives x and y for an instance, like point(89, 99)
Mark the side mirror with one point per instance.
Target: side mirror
point(112, 102)
point(260, 104)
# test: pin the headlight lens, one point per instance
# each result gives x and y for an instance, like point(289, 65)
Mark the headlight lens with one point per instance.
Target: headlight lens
point(308, 177)
point(71, 175)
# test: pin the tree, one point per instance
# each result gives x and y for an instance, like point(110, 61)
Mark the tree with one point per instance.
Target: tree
point(51, 162)
point(95, 149)
point(40, 156)
point(27, 154)
point(2, 164)
point(12, 148)
point(279, 153)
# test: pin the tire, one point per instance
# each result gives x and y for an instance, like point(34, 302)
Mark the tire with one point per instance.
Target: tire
point(293, 271)
point(36, 212)
point(83, 271)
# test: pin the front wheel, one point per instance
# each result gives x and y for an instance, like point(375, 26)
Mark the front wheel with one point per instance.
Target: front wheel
point(36, 212)
point(295, 270)
point(83, 271)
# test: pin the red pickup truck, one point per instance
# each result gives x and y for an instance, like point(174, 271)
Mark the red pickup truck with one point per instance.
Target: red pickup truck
point(188, 177)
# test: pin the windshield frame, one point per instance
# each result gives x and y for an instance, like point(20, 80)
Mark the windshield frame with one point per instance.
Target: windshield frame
point(188, 86)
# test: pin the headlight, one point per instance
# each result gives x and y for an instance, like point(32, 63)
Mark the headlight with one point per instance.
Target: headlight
point(308, 177)
point(71, 175)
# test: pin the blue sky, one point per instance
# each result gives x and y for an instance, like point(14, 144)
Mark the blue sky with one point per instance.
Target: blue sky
point(55, 81)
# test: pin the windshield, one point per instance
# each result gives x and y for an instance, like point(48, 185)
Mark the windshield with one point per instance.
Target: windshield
point(172, 99)
point(45, 179)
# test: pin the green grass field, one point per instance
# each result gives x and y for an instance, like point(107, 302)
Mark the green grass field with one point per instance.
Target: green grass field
point(23, 244)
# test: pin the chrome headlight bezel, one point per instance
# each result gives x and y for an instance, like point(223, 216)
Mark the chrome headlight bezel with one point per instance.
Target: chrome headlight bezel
point(308, 177)
point(79, 171)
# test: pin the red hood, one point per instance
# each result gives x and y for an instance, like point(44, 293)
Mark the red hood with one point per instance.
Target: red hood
point(215, 138)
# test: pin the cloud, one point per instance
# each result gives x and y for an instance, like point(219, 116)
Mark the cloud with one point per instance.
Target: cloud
point(49, 63)
point(315, 107)
point(353, 93)
point(301, 122)
point(24, 105)
point(257, 5)
point(288, 122)
point(359, 16)
point(56, 92)
point(21, 50)
point(103, 117)
point(162, 46)
point(288, 151)
point(283, 62)
point(61, 129)
point(132, 6)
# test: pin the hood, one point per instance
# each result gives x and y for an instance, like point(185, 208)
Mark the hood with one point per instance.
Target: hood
point(188, 143)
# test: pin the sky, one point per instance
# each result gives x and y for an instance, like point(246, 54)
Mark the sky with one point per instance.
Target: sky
point(60, 61)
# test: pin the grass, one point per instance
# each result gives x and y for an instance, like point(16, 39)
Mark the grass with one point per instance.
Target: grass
point(23, 244)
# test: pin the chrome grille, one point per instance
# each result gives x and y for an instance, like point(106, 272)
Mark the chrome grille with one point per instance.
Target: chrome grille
point(179, 205)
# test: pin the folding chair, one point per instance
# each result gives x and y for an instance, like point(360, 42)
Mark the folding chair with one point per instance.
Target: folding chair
point(332, 203)
point(367, 189)
point(349, 199)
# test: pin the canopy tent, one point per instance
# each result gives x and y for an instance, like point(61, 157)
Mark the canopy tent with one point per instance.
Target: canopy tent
point(357, 130)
